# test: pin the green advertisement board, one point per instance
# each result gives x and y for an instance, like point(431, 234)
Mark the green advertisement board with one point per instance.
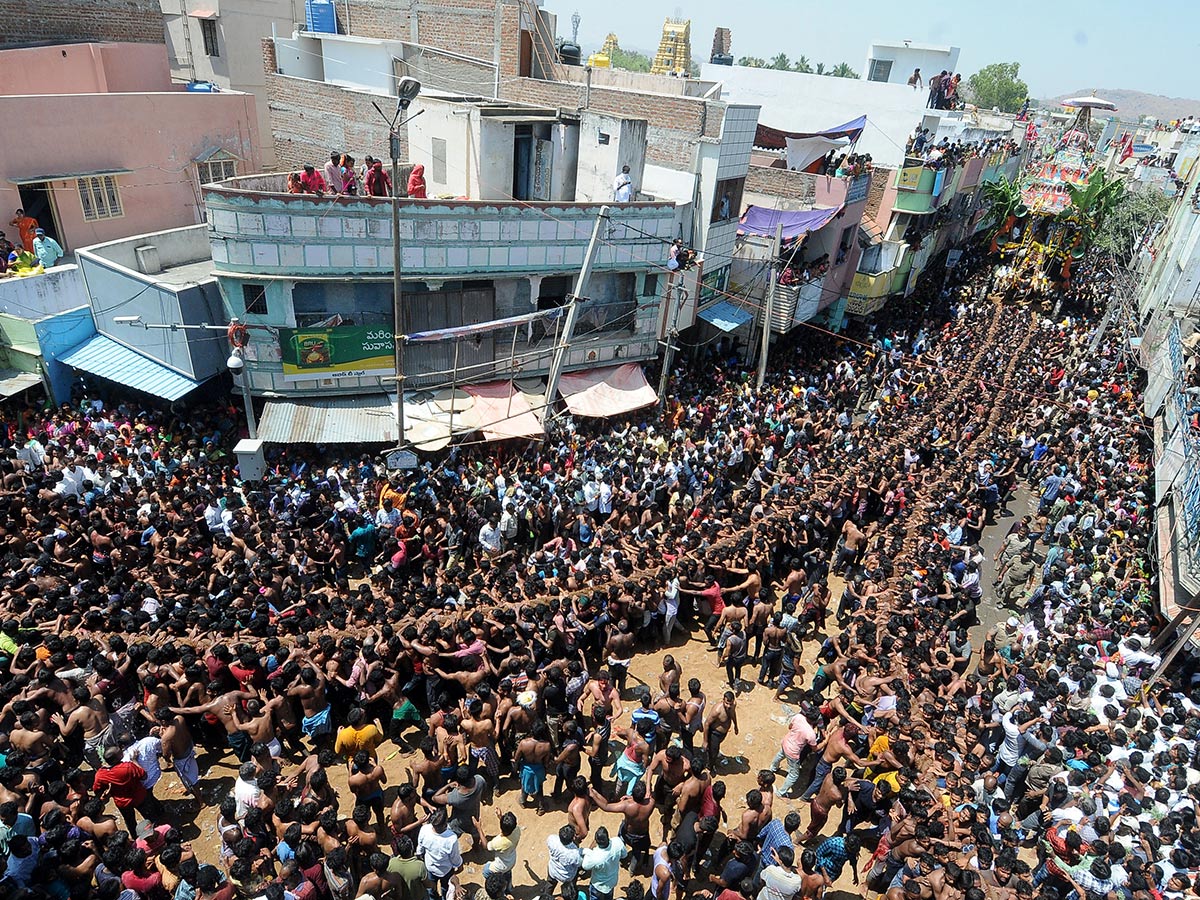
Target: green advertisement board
point(346, 351)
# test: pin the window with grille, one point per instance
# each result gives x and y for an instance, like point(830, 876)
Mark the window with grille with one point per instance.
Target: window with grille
point(99, 197)
point(880, 70)
point(216, 170)
point(208, 30)
point(254, 298)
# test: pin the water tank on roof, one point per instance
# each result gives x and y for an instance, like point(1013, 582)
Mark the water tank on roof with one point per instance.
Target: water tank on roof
point(320, 15)
point(570, 54)
point(722, 59)
point(600, 61)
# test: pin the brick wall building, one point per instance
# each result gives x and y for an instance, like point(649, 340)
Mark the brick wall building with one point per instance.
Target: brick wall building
point(60, 21)
point(676, 123)
point(310, 118)
point(468, 27)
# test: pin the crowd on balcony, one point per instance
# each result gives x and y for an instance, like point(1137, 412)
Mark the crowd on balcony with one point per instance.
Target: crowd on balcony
point(341, 177)
point(844, 165)
point(921, 146)
point(794, 269)
point(489, 614)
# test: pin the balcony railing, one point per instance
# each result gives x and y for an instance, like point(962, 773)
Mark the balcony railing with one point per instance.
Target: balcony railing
point(256, 227)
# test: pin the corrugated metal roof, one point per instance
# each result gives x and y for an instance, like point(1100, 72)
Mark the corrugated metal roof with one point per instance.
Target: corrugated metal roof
point(725, 315)
point(13, 382)
point(101, 355)
point(369, 419)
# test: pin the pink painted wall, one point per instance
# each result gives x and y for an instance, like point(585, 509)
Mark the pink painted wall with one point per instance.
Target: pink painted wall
point(157, 136)
point(85, 69)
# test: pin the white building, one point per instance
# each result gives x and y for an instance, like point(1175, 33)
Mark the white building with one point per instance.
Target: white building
point(221, 43)
point(893, 62)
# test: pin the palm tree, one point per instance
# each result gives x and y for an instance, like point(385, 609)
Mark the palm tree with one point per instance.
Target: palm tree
point(1003, 198)
point(843, 70)
point(1091, 204)
point(753, 62)
point(820, 70)
point(781, 61)
point(802, 65)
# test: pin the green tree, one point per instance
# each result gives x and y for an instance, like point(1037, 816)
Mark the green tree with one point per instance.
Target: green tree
point(820, 69)
point(630, 60)
point(1093, 204)
point(1003, 199)
point(753, 62)
point(1123, 228)
point(998, 85)
point(781, 61)
point(843, 70)
point(802, 65)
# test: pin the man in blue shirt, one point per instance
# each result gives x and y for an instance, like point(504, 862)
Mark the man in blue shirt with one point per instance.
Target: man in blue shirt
point(46, 248)
point(363, 540)
point(776, 834)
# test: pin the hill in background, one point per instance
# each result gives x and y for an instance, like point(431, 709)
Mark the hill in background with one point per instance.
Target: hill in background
point(1131, 105)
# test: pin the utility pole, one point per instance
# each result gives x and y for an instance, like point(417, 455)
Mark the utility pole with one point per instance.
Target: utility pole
point(769, 307)
point(672, 333)
point(407, 90)
point(560, 353)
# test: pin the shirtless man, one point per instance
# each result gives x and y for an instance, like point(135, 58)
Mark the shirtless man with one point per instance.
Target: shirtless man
point(426, 773)
point(480, 736)
point(671, 674)
point(28, 737)
point(752, 820)
point(579, 810)
point(636, 807)
point(854, 542)
point(835, 748)
point(722, 717)
point(473, 672)
point(693, 713)
point(673, 769)
point(91, 717)
point(533, 756)
point(773, 636)
point(314, 704)
point(760, 619)
point(619, 653)
point(602, 693)
point(261, 723)
point(831, 795)
point(752, 584)
point(178, 749)
point(222, 704)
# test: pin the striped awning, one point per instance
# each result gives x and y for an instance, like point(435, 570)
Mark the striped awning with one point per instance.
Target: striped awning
point(102, 356)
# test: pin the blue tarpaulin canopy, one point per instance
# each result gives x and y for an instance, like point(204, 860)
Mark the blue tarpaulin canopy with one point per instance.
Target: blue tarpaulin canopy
point(760, 220)
point(726, 316)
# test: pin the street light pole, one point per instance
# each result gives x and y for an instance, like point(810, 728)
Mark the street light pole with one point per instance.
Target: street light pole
point(397, 287)
point(407, 90)
point(247, 400)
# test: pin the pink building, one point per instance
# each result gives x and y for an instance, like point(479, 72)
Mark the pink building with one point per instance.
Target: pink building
point(100, 145)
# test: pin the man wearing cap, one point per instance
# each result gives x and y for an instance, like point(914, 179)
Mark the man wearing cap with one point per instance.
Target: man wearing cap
point(46, 248)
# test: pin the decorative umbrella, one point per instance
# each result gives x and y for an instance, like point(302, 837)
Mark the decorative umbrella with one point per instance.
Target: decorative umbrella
point(1092, 102)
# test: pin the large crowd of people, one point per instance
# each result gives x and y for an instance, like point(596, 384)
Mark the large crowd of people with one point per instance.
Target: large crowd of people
point(382, 655)
point(944, 154)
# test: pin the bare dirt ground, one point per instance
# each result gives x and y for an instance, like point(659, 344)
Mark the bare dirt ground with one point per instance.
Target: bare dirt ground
point(762, 723)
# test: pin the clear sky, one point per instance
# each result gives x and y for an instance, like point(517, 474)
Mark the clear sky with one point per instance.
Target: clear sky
point(1062, 45)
